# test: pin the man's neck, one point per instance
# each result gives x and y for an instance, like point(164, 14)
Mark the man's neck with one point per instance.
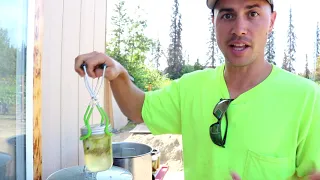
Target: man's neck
point(242, 79)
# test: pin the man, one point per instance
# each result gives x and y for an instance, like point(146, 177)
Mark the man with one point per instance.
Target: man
point(246, 119)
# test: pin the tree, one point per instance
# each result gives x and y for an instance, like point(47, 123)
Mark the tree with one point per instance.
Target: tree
point(197, 65)
point(119, 20)
point(156, 54)
point(213, 48)
point(130, 46)
point(318, 41)
point(137, 44)
point(307, 71)
point(291, 47)
point(269, 51)
point(175, 58)
point(285, 62)
point(8, 55)
point(317, 73)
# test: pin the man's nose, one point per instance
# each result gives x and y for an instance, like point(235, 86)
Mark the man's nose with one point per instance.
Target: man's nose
point(240, 27)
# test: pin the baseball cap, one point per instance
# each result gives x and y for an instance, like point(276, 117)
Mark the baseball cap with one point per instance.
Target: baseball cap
point(212, 3)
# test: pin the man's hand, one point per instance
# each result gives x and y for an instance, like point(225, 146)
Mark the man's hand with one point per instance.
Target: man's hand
point(93, 60)
point(235, 176)
point(314, 176)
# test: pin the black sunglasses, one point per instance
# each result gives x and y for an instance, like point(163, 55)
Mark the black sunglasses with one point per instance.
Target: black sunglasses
point(215, 129)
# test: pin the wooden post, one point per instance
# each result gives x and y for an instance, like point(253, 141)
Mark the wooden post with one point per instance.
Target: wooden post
point(108, 102)
point(37, 94)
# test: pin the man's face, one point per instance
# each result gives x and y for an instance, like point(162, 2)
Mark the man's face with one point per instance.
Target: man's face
point(242, 28)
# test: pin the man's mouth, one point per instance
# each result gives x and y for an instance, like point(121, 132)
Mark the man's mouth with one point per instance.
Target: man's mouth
point(239, 47)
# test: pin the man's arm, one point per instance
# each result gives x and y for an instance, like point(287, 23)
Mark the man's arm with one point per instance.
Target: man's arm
point(308, 151)
point(129, 97)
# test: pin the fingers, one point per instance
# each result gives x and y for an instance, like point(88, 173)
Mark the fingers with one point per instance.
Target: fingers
point(92, 61)
point(315, 176)
point(235, 176)
point(98, 72)
point(79, 60)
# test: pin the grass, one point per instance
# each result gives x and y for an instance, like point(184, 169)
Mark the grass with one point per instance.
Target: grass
point(7, 117)
point(130, 125)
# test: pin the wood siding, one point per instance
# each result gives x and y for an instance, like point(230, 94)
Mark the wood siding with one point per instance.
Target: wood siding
point(71, 27)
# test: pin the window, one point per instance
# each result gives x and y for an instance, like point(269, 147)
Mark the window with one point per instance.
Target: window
point(13, 83)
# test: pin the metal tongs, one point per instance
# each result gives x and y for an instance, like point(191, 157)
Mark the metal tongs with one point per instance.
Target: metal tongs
point(94, 102)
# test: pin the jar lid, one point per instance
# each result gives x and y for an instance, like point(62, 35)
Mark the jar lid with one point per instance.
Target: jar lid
point(95, 128)
point(76, 173)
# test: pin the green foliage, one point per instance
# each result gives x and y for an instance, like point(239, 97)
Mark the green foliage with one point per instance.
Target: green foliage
point(8, 90)
point(187, 69)
point(8, 55)
point(130, 47)
point(197, 65)
point(145, 76)
point(8, 59)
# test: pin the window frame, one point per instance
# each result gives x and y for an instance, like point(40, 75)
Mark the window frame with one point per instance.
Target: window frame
point(29, 90)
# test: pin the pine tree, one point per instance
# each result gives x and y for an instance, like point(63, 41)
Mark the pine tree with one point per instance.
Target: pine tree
point(318, 40)
point(317, 73)
point(213, 48)
point(285, 62)
point(156, 53)
point(175, 58)
point(269, 51)
point(197, 65)
point(291, 48)
point(119, 20)
point(307, 71)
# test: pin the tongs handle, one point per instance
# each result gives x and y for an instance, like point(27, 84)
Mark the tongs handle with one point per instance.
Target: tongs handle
point(101, 66)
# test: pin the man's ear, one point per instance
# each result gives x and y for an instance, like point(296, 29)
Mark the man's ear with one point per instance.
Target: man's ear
point(273, 19)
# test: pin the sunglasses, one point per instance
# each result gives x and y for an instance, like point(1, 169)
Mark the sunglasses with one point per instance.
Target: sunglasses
point(215, 129)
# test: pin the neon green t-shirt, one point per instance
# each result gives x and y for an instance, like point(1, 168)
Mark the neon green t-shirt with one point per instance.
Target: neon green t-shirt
point(273, 130)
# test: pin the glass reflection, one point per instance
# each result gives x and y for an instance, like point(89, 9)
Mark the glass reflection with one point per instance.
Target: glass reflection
point(13, 29)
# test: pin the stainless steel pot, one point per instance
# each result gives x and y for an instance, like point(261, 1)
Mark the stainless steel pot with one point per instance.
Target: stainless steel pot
point(135, 157)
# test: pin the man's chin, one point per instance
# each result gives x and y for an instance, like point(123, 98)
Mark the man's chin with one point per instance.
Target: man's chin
point(239, 62)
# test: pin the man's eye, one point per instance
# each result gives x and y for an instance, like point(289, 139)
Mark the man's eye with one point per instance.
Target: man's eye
point(253, 14)
point(227, 16)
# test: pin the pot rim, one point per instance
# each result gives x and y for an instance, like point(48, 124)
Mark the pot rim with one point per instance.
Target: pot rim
point(131, 157)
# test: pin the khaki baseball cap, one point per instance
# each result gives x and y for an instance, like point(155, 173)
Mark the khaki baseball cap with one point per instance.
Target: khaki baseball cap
point(211, 3)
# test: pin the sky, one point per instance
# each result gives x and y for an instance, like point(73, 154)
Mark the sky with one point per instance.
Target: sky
point(13, 18)
point(195, 25)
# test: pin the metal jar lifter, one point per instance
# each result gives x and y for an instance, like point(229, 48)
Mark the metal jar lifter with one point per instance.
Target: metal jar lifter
point(97, 146)
point(96, 138)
